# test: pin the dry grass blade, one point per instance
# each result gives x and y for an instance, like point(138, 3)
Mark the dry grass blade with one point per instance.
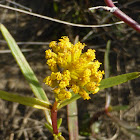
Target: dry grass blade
point(59, 21)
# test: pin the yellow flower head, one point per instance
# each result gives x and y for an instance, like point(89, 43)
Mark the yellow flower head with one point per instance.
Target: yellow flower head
point(72, 69)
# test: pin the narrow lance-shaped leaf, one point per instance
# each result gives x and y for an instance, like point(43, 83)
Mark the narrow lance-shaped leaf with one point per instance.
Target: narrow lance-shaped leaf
point(59, 122)
point(106, 83)
point(25, 68)
point(23, 64)
point(116, 80)
point(49, 127)
point(29, 101)
point(118, 108)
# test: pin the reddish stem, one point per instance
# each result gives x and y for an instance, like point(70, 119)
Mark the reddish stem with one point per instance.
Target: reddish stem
point(118, 13)
point(107, 111)
point(54, 117)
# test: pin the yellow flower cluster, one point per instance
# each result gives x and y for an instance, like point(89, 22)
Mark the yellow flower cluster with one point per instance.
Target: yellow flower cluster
point(72, 69)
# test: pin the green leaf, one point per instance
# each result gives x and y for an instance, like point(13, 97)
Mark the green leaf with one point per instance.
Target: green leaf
point(105, 83)
point(55, 7)
point(24, 66)
point(116, 80)
point(28, 101)
point(26, 69)
point(49, 127)
point(59, 121)
point(106, 59)
point(118, 108)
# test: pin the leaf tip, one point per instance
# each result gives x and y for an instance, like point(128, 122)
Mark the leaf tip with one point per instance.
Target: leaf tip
point(1, 25)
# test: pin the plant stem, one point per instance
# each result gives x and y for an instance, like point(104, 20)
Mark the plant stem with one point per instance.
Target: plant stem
point(72, 120)
point(54, 117)
point(107, 73)
point(118, 13)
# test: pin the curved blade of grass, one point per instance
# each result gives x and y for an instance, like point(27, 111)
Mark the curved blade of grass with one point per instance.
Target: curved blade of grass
point(28, 101)
point(23, 64)
point(106, 59)
point(116, 80)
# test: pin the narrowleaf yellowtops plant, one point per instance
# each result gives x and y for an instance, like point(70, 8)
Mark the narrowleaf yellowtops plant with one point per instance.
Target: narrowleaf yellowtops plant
point(72, 70)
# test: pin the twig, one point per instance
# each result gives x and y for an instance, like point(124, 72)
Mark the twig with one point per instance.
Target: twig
point(9, 51)
point(19, 5)
point(27, 43)
point(110, 9)
point(59, 21)
point(118, 13)
point(130, 2)
point(11, 136)
point(87, 35)
point(4, 14)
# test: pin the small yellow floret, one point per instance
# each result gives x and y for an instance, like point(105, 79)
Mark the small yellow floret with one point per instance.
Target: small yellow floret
point(90, 54)
point(97, 77)
point(84, 94)
point(64, 39)
point(94, 66)
point(57, 90)
point(63, 59)
point(52, 64)
point(52, 44)
point(96, 90)
point(63, 83)
point(56, 76)
point(83, 81)
point(50, 54)
point(48, 81)
point(66, 75)
point(87, 73)
point(91, 86)
point(64, 95)
point(75, 88)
